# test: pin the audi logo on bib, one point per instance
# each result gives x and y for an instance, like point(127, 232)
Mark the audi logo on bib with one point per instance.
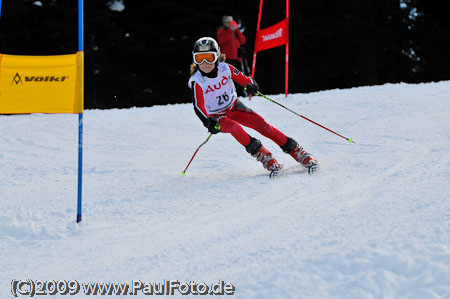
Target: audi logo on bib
point(219, 85)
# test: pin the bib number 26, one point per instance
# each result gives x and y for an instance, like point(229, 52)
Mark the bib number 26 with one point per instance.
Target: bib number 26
point(222, 99)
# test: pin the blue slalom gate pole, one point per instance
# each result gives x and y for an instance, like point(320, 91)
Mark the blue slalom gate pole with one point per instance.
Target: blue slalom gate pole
point(0, 9)
point(80, 164)
point(80, 25)
point(80, 115)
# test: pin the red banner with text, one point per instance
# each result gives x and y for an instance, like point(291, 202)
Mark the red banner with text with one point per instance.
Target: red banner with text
point(273, 36)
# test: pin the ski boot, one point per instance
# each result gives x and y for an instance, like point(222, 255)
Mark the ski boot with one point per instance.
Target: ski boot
point(257, 150)
point(300, 155)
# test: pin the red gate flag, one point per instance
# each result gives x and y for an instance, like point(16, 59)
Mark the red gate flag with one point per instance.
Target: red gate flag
point(273, 36)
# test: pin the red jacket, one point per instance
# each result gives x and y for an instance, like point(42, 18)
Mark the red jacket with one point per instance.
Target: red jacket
point(230, 41)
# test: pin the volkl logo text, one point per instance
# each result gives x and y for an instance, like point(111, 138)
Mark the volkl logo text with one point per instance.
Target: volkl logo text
point(18, 79)
point(45, 78)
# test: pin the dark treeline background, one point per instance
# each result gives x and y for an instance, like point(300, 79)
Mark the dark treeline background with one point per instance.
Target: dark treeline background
point(140, 56)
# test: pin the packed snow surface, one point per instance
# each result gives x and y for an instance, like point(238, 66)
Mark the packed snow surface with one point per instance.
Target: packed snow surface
point(374, 222)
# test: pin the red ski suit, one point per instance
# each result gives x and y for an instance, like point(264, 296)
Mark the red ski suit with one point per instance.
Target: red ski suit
point(216, 97)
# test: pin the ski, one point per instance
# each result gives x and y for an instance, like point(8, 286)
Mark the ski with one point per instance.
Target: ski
point(279, 172)
point(313, 168)
point(275, 173)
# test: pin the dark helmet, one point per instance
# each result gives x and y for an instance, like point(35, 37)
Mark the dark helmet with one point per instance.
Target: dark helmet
point(206, 49)
point(206, 44)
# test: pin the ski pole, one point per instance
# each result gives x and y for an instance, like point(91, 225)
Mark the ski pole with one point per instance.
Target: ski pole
point(244, 72)
point(184, 171)
point(267, 98)
point(247, 68)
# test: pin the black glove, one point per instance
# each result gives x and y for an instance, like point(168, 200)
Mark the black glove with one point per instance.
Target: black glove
point(251, 88)
point(213, 125)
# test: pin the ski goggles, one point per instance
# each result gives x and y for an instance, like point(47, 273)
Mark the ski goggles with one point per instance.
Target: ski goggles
point(208, 57)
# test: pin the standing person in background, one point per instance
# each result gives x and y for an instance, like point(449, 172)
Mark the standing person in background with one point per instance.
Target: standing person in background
point(230, 39)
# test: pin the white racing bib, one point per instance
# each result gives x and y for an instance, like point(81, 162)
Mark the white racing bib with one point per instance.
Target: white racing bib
point(219, 93)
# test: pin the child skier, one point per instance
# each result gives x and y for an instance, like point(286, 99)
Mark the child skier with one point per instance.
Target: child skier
point(216, 104)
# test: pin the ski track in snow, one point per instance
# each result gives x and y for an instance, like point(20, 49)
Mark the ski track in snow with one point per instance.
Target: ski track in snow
point(374, 222)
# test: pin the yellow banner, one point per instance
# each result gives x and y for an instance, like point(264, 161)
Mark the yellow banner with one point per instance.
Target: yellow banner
point(41, 84)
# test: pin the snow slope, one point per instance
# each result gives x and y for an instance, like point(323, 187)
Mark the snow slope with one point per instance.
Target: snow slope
point(373, 223)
